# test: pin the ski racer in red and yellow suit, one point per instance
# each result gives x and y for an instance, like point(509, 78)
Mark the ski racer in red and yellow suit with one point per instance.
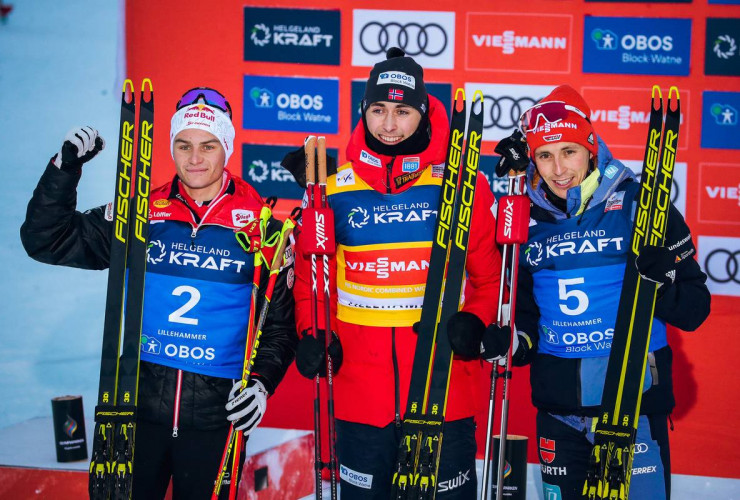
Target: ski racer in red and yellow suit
point(393, 201)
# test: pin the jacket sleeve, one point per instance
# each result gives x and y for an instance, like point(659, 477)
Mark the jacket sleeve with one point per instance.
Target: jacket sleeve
point(686, 303)
point(527, 314)
point(483, 263)
point(55, 233)
point(278, 340)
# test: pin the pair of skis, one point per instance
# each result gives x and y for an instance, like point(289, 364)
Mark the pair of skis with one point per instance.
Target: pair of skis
point(112, 460)
point(318, 230)
point(610, 467)
point(415, 474)
point(253, 239)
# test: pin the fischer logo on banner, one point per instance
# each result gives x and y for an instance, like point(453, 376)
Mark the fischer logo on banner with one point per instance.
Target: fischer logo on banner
point(719, 257)
point(621, 115)
point(541, 43)
point(427, 36)
point(719, 193)
point(503, 104)
point(637, 46)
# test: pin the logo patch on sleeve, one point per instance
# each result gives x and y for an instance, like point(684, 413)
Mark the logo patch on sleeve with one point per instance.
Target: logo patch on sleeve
point(346, 178)
point(355, 478)
point(615, 202)
point(371, 160)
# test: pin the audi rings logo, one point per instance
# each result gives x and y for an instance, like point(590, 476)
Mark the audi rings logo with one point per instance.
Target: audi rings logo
point(721, 265)
point(641, 448)
point(503, 112)
point(414, 38)
point(719, 257)
point(430, 42)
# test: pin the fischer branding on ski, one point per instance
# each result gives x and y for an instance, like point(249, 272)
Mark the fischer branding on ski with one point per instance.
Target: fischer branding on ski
point(418, 457)
point(111, 464)
point(610, 467)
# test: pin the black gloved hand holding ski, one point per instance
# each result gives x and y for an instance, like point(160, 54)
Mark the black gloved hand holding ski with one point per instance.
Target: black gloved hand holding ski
point(81, 144)
point(514, 154)
point(495, 342)
point(295, 163)
point(657, 264)
point(465, 331)
point(309, 355)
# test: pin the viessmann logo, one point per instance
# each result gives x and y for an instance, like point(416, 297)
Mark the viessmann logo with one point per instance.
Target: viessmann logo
point(640, 46)
point(719, 195)
point(541, 44)
point(427, 36)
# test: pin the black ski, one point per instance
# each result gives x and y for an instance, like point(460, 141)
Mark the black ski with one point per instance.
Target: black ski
point(111, 465)
point(419, 452)
point(610, 468)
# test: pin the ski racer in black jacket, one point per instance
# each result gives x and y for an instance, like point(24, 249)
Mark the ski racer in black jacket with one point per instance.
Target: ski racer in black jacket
point(571, 270)
point(197, 291)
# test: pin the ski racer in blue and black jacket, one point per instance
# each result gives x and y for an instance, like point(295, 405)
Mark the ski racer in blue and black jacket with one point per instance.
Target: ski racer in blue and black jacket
point(571, 271)
point(197, 295)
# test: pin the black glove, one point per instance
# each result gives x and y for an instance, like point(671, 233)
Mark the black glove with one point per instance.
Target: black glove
point(657, 264)
point(514, 154)
point(465, 331)
point(295, 163)
point(81, 144)
point(309, 355)
point(495, 341)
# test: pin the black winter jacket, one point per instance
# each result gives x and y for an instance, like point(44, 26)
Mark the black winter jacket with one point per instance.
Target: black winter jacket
point(55, 233)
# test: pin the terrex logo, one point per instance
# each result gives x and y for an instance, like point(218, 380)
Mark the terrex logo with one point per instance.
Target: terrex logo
point(541, 42)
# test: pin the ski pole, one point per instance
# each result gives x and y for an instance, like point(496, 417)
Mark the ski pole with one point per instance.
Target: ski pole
point(252, 239)
point(328, 221)
point(512, 227)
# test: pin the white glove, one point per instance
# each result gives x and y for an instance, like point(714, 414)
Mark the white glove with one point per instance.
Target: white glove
point(245, 409)
point(80, 145)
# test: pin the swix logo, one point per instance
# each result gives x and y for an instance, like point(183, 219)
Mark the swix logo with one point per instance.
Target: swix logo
point(547, 450)
point(508, 217)
point(451, 484)
point(509, 41)
point(383, 266)
point(321, 238)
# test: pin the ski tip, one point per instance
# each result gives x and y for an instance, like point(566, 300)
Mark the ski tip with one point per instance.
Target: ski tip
point(147, 90)
point(656, 90)
point(459, 100)
point(673, 93)
point(128, 85)
point(477, 102)
point(311, 139)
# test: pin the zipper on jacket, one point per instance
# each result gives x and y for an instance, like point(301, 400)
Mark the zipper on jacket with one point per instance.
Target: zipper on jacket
point(176, 414)
point(388, 170)
point(199, 222)
point(397, 384)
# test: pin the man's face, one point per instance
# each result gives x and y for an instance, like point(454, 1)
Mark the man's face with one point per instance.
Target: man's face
point(562, 165)
point(390, 122)
point(199, 161)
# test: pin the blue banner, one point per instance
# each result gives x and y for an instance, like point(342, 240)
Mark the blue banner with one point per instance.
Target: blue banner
point(719, 120)
point(291, 104)
point(721, 54)
point(637, 46)
point(292, 35)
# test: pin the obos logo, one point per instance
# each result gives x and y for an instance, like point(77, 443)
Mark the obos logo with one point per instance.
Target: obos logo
point(290, 104)
point(621, 115)
point(719, 257)
point(719, 121)
point(541, 44)
point(358, 217)
point(678, 189)
point(721, 53)
point(719, 193)
point(427, 36)
point(639, 46)
point(291, 35)
point(504, 104)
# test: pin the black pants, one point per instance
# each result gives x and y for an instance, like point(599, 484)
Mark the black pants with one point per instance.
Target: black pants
point(367, 456)
point(565, 444)
point(191, 460)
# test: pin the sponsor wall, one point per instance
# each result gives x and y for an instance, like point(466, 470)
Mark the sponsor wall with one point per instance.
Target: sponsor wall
point(291, 68)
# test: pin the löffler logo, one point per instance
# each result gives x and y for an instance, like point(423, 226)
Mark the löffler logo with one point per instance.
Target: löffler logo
point(541, 44)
